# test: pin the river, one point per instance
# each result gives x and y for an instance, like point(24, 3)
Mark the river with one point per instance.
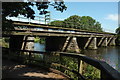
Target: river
point(111, 55)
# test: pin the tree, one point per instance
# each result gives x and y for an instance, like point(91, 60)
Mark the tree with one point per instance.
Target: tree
point(118, 30)
point(82, 23)
point(13, 9)
point(118, 36)
point(57, 23)
point(88, 23)
point(72, 22)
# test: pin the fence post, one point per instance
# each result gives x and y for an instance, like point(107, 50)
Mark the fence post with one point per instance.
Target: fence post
point(80, 66)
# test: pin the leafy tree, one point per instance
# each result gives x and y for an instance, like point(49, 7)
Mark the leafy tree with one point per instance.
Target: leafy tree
point(72, 22)
point(118, 30)
point(13, 9)
point(97, 27)
point(118, 36)
point(77, 22)
point(88, 23)
point(57, 23)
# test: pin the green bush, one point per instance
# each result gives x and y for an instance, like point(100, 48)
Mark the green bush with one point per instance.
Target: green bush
point(91, 73)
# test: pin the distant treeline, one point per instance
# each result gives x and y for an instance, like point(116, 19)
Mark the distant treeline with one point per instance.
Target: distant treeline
point(77, 22)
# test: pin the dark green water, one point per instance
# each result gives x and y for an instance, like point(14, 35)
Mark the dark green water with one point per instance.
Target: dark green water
point(111, 55)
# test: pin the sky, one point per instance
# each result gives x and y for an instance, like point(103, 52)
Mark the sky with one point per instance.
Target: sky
point(104, 12)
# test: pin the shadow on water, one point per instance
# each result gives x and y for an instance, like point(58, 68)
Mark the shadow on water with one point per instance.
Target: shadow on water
point(111, 55)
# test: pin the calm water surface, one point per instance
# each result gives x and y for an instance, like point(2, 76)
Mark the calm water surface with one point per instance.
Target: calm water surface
point(39, 47)
point(111, 55)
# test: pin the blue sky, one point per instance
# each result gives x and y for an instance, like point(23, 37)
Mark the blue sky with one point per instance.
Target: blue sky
point(104, 12)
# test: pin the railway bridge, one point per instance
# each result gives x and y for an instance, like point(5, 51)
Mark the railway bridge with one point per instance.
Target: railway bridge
point(58, 38)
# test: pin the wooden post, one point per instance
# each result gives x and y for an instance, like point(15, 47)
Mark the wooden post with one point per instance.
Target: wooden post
point(80, 66)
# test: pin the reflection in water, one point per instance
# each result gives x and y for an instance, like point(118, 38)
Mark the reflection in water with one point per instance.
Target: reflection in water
point(39, 47)
point(111, 55)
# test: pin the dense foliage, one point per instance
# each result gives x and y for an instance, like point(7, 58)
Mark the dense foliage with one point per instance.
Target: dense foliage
point(118, 36)
point(13, 9)
point(118, 30)
point(39, 40)
point(77, 22)
point(57, 23)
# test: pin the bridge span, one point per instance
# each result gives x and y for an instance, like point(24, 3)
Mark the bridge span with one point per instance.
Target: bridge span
point(60, 38)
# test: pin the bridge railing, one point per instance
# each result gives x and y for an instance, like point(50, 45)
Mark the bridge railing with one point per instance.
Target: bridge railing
point(55, 60)
point(37, 19)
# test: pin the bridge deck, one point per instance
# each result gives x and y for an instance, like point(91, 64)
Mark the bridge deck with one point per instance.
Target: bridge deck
point(34, 25)
point(47, 30)
point(12, 70)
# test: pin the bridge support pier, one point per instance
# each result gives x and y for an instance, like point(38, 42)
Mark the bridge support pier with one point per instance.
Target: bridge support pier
point(66, 44)
point(112, 42)
point(29, 43)
point(103, 42)
point(71, 45)
point(93, 43)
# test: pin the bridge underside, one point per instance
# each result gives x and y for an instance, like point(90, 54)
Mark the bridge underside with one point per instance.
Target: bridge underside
point(61, 43)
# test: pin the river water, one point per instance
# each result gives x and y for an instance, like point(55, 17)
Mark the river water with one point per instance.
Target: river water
point(111, 55)
point(39, 47)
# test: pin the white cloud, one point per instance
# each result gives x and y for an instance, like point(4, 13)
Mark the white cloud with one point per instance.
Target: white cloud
point(113, 17)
